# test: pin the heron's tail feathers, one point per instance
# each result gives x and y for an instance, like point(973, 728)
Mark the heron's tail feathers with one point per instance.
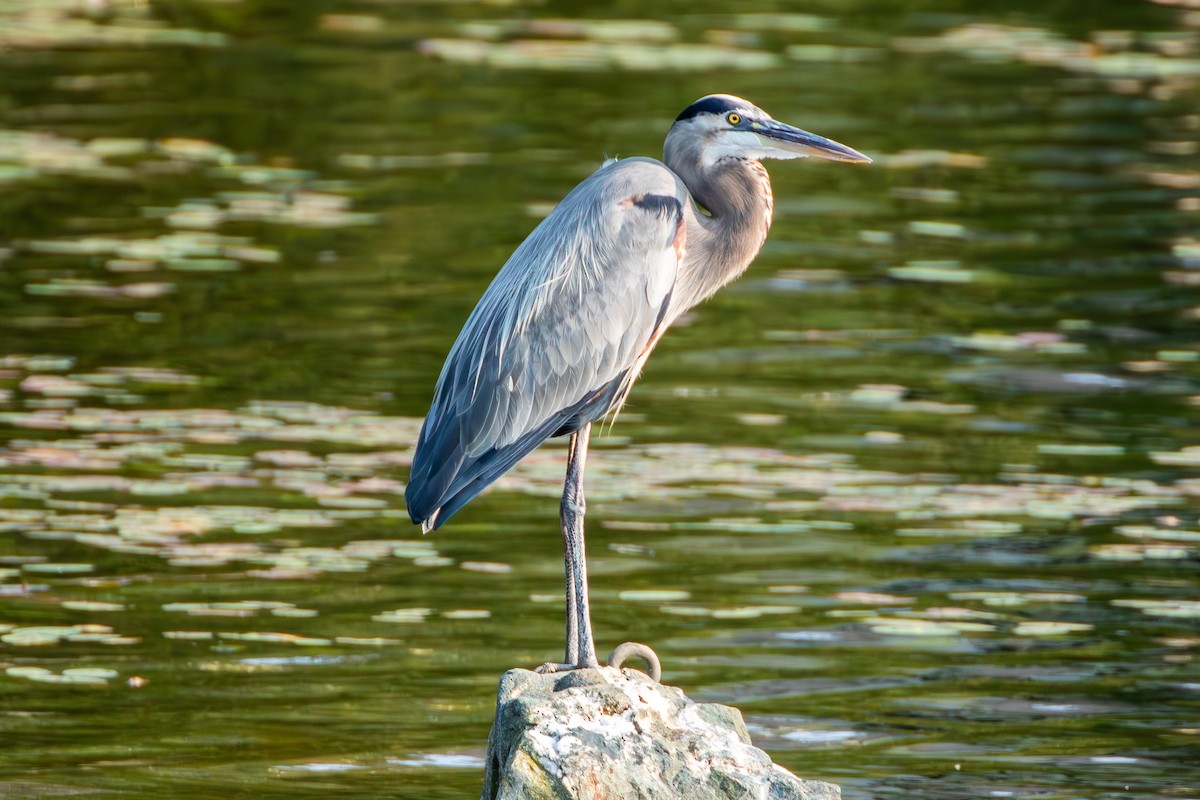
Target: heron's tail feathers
point(444, 478)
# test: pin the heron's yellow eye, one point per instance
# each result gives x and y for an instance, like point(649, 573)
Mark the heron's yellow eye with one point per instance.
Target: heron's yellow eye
point(733, 118)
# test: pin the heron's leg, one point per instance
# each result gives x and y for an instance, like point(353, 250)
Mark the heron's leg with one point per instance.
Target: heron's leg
point(581, 650)
point(572, 654)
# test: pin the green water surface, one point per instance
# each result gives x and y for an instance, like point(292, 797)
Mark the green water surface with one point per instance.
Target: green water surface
point(919, 494)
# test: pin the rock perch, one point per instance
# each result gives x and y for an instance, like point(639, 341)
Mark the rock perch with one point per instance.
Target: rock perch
point(612, 734)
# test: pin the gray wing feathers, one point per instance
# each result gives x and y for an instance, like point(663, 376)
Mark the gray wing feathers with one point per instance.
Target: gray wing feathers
point(568, 313)
point(567, 316)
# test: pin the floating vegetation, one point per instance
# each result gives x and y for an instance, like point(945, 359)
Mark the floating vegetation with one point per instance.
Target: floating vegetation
point(352, 23)
point(891, 397)
point(186, 252)
point(1159, 551)
point(404, 615)
point(950, 612)
point(49, 635)
point(1182, 609)
point(934, 272)
point(375, 163)
point(366, 641)
point(432, 561)
point(47, 568)
point(686, 611)
point(966, 528)
point(467, 613)
point(490, 567)
point(1030, 341)
point(653, 595)
point(341, 484)
point(991, 42)
point(918, 159)
point(92, 605)
point(833, 53)
point(1047, 628)
point(297, 613)
point(946, 196)
point(440, 761)
point(1080, 449)
point(1102, 56)
point(320, 767)
point(824, 737)
point(278, 196)
point(600, 30)
point(751, 612)
point(789, 22)
point(939, 229)
point(735, 612)
point(239, 608)
point(189, 636)
point(274, 637)
point(337, 482)
point(1185, 457)
point(27, 155)
point(307, 209)
point(45, 24)
point(1152, 533)
point(1006, 599)
point(761, 420)
point(903, 626)
point(873, 598)
point(579, 55)
point(86, 676)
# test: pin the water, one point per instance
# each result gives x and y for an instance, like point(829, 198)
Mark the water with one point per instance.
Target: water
point(918, 494)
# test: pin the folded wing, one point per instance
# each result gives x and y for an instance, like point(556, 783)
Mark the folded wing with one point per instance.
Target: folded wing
point(558, 337)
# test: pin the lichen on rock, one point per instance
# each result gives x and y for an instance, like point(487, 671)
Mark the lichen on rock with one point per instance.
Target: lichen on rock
point(609, 733)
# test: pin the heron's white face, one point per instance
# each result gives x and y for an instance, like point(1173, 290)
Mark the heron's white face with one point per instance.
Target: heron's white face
point(729, 127)
point(735, 134)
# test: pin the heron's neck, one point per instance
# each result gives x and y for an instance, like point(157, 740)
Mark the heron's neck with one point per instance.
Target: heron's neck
point(736, 193)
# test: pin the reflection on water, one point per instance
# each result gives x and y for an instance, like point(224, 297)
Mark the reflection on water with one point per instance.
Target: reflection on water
point(919, 493)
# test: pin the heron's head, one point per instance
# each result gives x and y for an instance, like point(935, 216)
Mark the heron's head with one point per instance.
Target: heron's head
point(723, 126)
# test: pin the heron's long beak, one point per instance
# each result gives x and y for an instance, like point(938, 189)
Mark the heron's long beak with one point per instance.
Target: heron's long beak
point(795, 140)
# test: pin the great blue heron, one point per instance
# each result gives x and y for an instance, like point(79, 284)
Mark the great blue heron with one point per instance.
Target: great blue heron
point(560, 335)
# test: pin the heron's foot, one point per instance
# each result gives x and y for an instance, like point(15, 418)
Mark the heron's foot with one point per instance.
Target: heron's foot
point(637, 650)
point(551, 667)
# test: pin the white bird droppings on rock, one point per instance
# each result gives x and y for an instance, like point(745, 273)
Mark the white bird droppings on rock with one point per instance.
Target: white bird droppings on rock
point(607, 733)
